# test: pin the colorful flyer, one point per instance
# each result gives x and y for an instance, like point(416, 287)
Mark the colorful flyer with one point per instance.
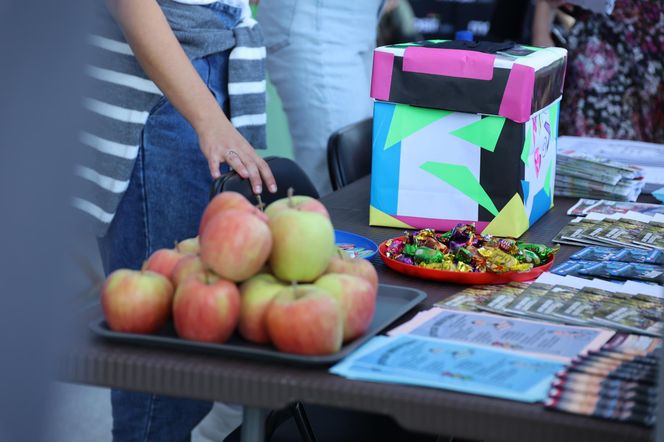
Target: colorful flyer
point(417, 360)
point(533, 338)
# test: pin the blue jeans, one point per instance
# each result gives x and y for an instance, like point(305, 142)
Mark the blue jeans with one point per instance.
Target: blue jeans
point(167, 194)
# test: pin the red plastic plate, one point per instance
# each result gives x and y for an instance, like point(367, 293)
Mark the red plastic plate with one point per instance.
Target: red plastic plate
point(467, 278)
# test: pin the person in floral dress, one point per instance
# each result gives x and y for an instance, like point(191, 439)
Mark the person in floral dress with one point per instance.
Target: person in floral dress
point(615, 72)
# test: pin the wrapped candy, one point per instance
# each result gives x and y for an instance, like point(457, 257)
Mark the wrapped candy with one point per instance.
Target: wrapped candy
point(463, 267)
point(498, 261)
point(528, 256)
point(463, 250)
point(410, 249)
point(394, 248)
point(433, 243)
point(508, 246)
point(405, 259)
point(463, 255)
point(427, 255)
point(424, 234)
point(542, 251)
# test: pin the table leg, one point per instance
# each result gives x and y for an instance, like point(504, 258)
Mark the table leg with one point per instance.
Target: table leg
point(253, 424)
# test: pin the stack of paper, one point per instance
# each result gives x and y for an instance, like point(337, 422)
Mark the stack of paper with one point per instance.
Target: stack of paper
point(584, 175)
point(471, 352)
point(585, 206)
point(648, 156)
point(631, 229)
point(633, 307)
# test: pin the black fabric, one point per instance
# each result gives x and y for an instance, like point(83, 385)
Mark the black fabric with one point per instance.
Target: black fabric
point(471, 95)
point(502, 170)
point(460, 94)
point(488, 47)
point(287, 174)
point(349, 153)
point(548, 85)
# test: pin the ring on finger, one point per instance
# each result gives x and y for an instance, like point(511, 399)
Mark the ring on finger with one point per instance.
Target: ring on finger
point(231, 152)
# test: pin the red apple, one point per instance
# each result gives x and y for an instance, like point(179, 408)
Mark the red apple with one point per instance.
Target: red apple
point(206, 308)
point(225, 201)
point(235, 244)
point(163, 261)
point(303, 244)
point(357, 299)
point(342, 263)
point(187, 266)
point(189, 246)
point(296, 202)
point(256, 294)
point(136, 302)
point(305, 320)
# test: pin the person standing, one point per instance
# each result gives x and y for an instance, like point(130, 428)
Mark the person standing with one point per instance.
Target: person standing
point(615, 71)
point(176, 90)
point(319, 57)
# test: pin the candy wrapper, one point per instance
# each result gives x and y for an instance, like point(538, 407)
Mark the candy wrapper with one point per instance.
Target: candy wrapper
point(462, 249)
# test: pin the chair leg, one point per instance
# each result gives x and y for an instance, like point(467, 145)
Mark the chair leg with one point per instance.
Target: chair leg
point(274, 420)
point(302, 421)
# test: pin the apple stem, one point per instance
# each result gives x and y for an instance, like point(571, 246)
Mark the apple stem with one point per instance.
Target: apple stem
point(290, 197)
point(175, 245)
point(261, 205)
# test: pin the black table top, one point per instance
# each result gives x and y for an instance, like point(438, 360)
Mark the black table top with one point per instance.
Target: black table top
point(91, 360)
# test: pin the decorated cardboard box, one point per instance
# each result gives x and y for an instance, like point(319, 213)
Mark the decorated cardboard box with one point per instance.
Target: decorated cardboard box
point(478, 77)
point(435, 166)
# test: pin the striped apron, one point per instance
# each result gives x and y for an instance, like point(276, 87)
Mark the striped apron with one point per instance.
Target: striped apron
point(121, 96)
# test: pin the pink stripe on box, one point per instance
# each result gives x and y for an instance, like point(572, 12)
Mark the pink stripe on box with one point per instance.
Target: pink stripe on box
point(381, 75)
point(449, 62)
point(439, 224)
point(518, 95)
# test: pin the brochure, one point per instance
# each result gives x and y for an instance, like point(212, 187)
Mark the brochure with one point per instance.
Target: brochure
point(533, 338)
point(418, 360)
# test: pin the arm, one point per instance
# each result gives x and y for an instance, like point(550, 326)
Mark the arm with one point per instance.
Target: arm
point(166, 63)
point(542, 22)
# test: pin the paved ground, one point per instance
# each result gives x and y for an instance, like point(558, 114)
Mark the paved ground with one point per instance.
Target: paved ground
point(80, 414)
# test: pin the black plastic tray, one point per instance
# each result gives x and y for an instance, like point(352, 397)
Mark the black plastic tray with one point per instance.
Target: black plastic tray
point(391, 303)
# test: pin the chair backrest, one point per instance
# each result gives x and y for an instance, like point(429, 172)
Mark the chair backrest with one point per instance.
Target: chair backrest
point(286, 172)
point(349, 153)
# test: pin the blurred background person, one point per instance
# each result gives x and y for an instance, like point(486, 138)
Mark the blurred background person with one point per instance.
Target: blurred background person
point(397, 24)
point(614, 86)
point(319, 57)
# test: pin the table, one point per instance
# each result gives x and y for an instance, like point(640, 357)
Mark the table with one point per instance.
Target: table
point(260, 386)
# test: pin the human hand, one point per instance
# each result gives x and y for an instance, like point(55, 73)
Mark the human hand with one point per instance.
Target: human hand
point(220, 142)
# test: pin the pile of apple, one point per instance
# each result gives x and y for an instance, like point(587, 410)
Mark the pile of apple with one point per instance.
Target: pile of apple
point(275, 276)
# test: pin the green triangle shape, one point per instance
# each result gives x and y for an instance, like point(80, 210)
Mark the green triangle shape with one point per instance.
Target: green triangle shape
point(532, 48)
point(547, 180)
point(462, 179)
point(527, 144)
point(483, 133)
point(407, 120)
point(403, 45)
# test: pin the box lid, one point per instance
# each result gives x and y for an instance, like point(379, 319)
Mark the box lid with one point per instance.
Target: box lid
point(512, 81)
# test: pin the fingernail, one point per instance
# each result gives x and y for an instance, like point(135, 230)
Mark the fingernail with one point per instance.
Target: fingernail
point(258, 189)
point(273, 188)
